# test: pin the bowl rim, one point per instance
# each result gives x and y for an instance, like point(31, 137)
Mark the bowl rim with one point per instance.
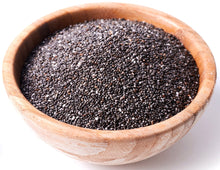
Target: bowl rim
point(63, 129)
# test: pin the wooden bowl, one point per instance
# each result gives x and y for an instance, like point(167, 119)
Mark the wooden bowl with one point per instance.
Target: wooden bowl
point(101, 146)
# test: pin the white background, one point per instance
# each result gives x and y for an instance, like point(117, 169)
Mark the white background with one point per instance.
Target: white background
point(20, 148)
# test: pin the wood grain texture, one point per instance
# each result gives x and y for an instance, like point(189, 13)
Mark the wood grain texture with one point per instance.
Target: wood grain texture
point(99, 146)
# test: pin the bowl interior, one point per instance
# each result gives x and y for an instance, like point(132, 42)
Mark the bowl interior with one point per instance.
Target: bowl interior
point(35, 33)
point(69, 16)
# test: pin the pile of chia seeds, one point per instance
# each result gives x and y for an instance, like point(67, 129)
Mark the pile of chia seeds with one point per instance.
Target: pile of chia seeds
point(110, 74)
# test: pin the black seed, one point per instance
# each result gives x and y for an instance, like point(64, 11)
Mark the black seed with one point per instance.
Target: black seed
point(110, 74)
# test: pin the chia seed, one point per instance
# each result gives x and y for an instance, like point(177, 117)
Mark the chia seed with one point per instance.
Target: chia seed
point(110, 74)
